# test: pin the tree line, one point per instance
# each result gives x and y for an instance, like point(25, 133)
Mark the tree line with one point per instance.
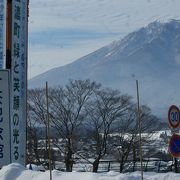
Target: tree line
point(83, 112)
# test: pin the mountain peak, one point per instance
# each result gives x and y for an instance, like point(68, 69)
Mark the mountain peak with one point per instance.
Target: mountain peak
point(151, 53)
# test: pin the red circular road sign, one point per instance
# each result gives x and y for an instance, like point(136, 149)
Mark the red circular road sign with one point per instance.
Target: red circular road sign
point(174, 116)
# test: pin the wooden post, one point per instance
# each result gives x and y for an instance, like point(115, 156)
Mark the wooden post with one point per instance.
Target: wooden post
point(8, 34)
point(49, 142)
point(139, 128)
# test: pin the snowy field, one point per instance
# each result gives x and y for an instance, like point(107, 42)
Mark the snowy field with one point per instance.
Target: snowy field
point(18, 172)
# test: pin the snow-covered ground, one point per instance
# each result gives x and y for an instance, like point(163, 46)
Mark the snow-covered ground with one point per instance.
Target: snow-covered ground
point(18, 172)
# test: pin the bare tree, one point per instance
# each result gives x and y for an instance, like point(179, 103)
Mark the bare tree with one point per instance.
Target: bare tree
point(68, 114)
point(83, 104)
point(36, 119)
point(125, 136)
point(106, 107)
point(150, 124)
point(127, 139)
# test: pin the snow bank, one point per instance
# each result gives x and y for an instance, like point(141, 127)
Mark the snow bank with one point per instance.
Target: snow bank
point(18, 172)
point(11, 171)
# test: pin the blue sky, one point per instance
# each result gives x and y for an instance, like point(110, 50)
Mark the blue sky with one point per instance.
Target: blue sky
point(64, 30)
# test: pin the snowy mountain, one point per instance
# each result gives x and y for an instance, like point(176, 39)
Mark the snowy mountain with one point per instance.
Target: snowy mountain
point(151, 55)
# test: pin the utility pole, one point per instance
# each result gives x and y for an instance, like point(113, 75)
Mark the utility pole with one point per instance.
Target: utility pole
point(139, 128)
point(49, 134)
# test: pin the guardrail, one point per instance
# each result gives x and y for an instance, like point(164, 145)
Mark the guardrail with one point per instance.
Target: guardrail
point(149, 165)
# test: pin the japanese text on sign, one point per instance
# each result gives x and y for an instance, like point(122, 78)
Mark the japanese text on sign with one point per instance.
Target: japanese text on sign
point(19, 58)
point(4, 118)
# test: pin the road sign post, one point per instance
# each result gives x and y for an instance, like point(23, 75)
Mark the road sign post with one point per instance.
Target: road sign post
point(174, 143)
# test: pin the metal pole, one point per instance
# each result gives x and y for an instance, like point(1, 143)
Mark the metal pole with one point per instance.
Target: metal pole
point(27, 72)
point(139, 129)
point(49, 143)
point(175, 165)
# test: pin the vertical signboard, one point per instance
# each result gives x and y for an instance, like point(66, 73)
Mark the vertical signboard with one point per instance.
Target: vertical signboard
point(2, 32)
point(18, 81)
point(4, 118)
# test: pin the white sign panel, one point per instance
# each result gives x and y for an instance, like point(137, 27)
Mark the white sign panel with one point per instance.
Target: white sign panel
point(18, 81)
point(4, 118)
point(2, 32)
